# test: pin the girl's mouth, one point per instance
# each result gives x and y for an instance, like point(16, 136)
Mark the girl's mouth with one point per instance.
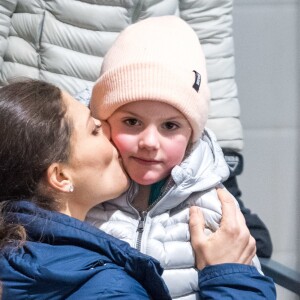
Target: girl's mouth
point(145, 161)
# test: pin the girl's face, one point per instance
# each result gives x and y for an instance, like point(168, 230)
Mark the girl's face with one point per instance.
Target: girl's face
point(152, 138)
point(94, 164)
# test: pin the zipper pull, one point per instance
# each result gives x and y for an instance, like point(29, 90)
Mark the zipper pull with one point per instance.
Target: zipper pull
point(141, 225)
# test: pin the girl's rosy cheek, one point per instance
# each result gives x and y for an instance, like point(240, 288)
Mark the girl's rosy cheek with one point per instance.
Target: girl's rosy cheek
point(122, 142)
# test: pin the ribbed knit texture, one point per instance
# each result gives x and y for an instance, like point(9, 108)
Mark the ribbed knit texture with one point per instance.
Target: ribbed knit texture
point(155, 59)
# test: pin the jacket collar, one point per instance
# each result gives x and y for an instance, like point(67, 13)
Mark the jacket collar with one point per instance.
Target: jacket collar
point(57, 229)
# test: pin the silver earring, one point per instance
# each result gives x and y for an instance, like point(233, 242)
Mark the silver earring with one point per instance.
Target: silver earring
point(71, 188)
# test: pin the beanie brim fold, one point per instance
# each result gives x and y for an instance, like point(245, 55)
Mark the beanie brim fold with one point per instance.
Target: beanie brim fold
point(154, 82)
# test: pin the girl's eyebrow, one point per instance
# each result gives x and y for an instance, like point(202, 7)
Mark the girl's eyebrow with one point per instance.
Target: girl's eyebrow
point(176, 117)
point(126, 112)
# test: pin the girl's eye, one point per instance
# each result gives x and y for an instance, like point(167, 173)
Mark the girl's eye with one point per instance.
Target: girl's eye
point(132, 122)
point(170, 126)
point(96, 129)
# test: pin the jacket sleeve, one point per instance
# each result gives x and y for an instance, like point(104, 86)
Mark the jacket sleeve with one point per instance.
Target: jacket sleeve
point(113, 286)
point(235, 281)
point(256, 226)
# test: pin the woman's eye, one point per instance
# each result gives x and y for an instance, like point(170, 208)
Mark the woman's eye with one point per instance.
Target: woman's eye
point(131, 122)
point(170, 126)
point(96, 129)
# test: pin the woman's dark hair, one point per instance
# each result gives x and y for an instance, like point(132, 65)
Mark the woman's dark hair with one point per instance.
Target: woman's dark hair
point(34, 133)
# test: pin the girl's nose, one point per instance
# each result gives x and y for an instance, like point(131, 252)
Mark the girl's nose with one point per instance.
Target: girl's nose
point(149, 139)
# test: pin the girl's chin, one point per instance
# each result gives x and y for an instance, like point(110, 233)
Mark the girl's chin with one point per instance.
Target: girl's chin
point(145, 180)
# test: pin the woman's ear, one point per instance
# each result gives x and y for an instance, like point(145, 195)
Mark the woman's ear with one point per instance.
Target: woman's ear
point(59, 178)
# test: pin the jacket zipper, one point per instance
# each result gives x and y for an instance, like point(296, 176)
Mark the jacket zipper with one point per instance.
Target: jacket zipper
point(143, 214)
point(140, 229)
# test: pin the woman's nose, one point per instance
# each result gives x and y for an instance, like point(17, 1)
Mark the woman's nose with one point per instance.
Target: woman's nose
point(106, 129)
point(149, 139)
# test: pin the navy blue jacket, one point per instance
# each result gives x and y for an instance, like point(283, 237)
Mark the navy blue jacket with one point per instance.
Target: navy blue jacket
point(69, 259)
point(235, 282)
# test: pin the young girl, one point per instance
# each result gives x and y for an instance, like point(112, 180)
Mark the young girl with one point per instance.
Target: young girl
point(153, 93)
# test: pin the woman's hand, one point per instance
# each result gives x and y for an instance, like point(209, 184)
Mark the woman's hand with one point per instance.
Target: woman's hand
point(231, 243)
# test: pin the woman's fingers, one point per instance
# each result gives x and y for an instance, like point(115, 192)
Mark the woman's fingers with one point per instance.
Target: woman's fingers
point(198, 237)
point(234, 221)
point(229, 208)
point(249, 252)
point(196, 225)
point(231, 243)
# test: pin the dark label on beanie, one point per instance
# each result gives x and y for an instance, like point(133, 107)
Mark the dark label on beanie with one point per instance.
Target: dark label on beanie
point(197, 82)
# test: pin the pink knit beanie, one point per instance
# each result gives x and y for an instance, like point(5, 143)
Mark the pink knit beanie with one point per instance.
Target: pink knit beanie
point(158, 59)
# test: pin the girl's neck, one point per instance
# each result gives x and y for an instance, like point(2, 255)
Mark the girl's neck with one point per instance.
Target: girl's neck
point(147, 195)
point(140, 201)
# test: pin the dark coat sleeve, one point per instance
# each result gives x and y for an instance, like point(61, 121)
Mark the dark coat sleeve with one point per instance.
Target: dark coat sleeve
point(256, 226)
point(235, 282)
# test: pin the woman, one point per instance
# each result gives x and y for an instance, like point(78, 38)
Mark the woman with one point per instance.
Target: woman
point(62, 163)
point(55, 164)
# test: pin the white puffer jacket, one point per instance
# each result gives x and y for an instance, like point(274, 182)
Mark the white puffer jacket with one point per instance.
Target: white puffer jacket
point(64, 41)
point(162, 231)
